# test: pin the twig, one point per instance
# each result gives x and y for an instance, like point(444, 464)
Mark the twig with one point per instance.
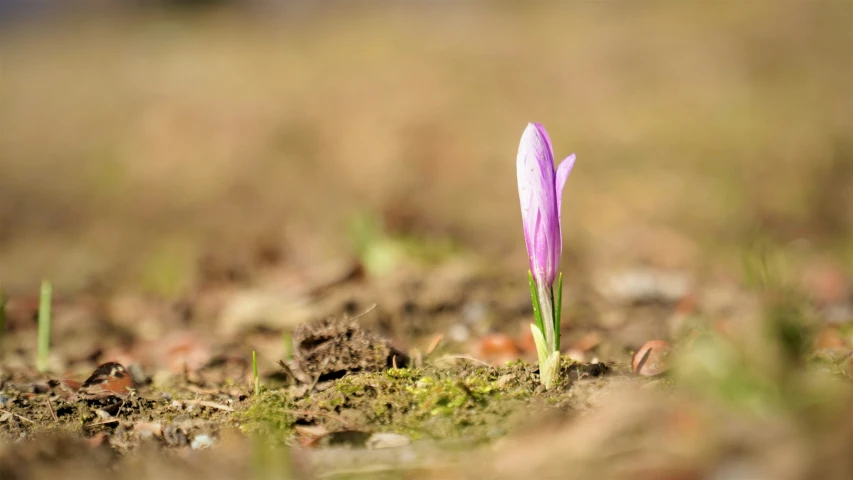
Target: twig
point(206, 403)
point(52, 412)
point(321, 369)
point(19, 416)
point(464, 357)
point(434, 344)
point(287, 371)
point(104, 422)
point(203, 391)
point(314, 383)
point(369, 309)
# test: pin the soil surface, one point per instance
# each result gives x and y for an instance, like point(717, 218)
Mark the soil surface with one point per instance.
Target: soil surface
point(330, 190)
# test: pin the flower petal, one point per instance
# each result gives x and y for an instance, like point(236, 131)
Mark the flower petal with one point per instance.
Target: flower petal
point(563, 172)
point(536, 177)
point(547, 138)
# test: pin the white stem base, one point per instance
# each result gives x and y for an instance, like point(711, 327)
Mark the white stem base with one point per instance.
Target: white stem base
point(549, 359)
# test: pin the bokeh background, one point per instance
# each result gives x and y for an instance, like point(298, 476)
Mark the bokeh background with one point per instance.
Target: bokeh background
point(139, 137)
point(202, 179)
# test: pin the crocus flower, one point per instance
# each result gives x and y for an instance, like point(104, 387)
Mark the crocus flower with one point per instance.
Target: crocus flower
point(540, 190)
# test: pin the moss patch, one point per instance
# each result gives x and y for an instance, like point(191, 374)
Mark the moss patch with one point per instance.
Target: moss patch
point(462, 401)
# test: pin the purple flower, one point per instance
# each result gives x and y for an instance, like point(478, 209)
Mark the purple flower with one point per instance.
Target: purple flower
point(540, 189)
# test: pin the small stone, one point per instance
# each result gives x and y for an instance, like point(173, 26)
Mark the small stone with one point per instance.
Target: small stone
point(458, 332)
point(650, 359)
point(202, 441)
point(148, 430)
point(387, 440)
point(576, 355)
point(103, 414)
point(643, 285)
point(504, 380)
point(474, 311)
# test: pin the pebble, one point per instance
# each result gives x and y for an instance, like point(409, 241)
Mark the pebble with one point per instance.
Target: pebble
point(504, 380)
point(474, 311)
point(576, 355)
point(148, 430)
point(650, 359)
point(202, 441)
point(103, 414)
point(387, 440)
point(458, 332)
point(638, 285)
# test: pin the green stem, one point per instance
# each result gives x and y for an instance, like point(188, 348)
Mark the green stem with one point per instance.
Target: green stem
point(44, 325)
point(537, 312)
point(558, 312)
point(546, 309)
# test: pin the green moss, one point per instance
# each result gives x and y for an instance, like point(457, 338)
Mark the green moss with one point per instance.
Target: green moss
point(401, 373)
point(348, 387)
point(268, 417)
point(461, 401)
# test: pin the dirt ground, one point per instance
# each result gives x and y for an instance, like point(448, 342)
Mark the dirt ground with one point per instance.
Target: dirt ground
point(331, 188)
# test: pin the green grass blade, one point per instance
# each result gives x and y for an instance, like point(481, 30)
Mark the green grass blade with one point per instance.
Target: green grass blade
point(45, 300)
point(255, 372)
point(537, 313)
point(558, 311)
point(287, 342)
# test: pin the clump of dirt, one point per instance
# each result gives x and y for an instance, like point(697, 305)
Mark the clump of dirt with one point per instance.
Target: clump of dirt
point(331, 348)
point(441, 401)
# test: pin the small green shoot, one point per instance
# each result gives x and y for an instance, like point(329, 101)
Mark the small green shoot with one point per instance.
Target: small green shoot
point(44, 325)
point(287, 343)
point(255, 372)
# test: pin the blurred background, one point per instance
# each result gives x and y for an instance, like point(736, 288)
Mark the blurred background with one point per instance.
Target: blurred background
point(199, 179)
point(139, 137)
